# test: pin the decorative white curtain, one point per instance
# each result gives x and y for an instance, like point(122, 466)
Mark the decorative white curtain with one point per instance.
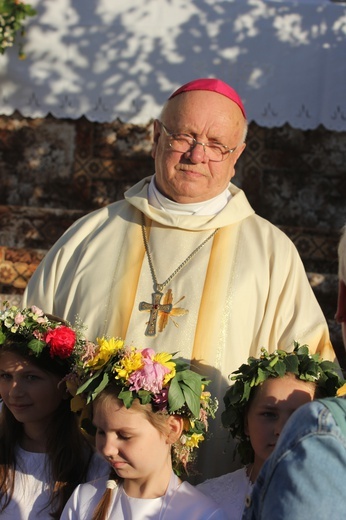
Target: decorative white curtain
point(108, 59)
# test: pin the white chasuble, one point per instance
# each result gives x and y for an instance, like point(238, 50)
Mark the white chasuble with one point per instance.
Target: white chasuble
point(246, 288)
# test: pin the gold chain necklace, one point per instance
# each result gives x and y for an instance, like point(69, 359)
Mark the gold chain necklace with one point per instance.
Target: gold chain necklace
point(156, 306)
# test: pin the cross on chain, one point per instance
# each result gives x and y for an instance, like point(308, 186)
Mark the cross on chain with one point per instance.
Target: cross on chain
point(154, 309)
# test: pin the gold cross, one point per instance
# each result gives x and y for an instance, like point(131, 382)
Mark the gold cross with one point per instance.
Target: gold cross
point(154, 309)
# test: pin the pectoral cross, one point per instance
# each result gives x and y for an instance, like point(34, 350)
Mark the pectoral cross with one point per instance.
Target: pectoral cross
point(155, 307)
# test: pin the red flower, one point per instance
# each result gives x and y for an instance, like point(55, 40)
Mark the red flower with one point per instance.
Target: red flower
point(61, 341)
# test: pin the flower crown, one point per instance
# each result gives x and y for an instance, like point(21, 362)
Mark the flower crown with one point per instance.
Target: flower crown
point(168, 384)
point(305, 366)
point(41, 335)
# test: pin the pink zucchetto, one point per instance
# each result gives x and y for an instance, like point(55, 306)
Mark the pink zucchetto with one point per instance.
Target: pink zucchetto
point(214, 85)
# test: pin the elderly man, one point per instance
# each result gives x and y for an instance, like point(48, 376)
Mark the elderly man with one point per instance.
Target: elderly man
point(183, 263)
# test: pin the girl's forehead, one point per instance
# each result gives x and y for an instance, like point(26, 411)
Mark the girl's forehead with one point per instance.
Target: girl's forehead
point(111, 406)
point(12, 359)
point(108, 414)
point(282, 387)
point(16, 363)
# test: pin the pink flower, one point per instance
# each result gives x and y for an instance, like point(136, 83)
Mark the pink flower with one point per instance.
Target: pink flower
point(19, 318)
point(61, 341)
point(89, 351)
point(38, 335)
point(150, 377)
point(40, 317)
point(36, 310)
point(203, 417)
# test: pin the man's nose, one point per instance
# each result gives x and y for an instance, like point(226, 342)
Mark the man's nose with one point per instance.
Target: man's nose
point(197, 153)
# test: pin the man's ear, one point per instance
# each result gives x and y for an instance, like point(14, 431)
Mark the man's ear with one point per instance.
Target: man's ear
point(238, 151)
point(174, 428)
point(157, 132)
point(235, 156)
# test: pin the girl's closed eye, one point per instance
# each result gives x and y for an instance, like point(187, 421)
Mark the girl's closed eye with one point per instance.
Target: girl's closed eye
point(124, 436)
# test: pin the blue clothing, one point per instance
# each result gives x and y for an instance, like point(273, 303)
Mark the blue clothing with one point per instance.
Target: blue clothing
point(305, 477)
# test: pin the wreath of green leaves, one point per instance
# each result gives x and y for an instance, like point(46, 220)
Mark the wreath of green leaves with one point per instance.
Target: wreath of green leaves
point(305, 366)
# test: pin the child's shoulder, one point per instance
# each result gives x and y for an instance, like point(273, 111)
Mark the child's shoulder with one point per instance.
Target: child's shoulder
point(91, 489)
point(190, 502)
point(228, 491)
point(84, 499)
point(224, 483)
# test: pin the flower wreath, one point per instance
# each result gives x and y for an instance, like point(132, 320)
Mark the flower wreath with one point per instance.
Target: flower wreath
point(305, 366)
point(42, 335)
point(168, 384)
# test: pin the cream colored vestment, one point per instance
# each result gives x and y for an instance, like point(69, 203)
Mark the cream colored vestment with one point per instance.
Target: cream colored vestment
point(245, 289)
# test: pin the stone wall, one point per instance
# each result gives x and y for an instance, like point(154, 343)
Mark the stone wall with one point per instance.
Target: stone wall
point(54, 171)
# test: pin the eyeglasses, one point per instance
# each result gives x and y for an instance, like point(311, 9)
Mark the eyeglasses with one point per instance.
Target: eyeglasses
point(184, 143)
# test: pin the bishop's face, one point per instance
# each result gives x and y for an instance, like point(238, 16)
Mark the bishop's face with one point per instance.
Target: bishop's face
point(210, 118)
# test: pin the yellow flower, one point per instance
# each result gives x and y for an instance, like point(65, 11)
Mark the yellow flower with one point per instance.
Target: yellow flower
point(194, 440)
point(341, 391)
point(164, 359)
point(77, 403)
point(72, 385)
point(128, 364)
point(106, 349)
point(205, 396)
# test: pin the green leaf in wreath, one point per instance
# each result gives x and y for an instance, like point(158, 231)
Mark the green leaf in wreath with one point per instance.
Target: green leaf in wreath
point(102, 385)
point(36, 346)
point(2, 337)
point(144, 396)
point(175, 395)
point(91, 383)
point(192, 399)
point(127, 397)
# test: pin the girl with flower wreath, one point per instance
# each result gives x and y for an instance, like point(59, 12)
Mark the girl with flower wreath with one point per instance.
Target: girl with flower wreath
point(150, 413)
point(43, 454)
point(265, 393)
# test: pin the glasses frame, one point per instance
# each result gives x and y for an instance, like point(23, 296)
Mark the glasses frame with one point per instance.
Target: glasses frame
point(227, 150)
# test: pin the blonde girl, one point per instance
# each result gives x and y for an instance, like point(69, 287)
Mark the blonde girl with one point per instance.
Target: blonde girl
point(150, 413)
